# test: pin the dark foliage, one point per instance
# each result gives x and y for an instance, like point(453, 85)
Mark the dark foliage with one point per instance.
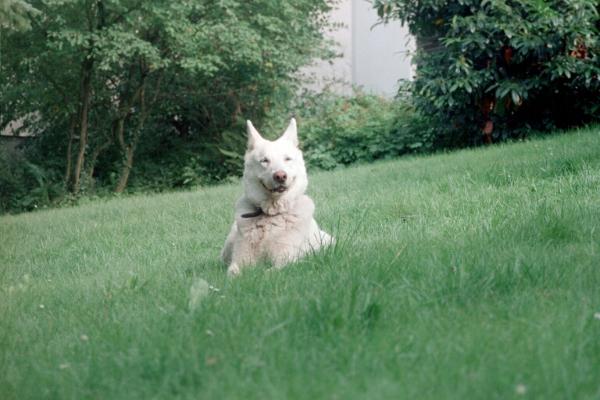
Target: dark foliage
point(495, 69)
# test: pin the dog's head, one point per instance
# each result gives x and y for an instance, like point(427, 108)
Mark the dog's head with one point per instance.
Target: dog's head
point(275, 167)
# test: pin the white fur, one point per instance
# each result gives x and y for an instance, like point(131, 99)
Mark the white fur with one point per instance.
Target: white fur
point(286, 230)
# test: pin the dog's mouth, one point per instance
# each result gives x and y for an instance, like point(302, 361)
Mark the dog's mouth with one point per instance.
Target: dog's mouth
point(277, 189)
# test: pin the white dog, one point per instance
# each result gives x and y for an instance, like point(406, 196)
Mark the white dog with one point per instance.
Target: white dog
point(274, 218)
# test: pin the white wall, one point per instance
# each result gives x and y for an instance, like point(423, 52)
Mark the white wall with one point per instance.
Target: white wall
point(373, 57)
point(336, 74)
point(379, 52)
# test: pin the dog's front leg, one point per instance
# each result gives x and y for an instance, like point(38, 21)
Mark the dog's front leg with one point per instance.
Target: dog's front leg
point(226, 253)
point(233, 269)
point(243, 254)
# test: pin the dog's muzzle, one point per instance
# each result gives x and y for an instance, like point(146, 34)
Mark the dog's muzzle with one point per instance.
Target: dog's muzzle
point(277, 189)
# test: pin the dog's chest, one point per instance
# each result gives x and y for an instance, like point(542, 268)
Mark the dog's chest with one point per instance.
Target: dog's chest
point(265, 229)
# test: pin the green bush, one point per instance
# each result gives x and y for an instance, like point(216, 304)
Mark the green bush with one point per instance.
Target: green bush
point(25, 186)
point(346, 130)
point(494, 69)
point(340, 130)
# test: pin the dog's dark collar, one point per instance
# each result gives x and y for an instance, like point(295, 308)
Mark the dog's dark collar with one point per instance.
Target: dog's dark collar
point(253, 214)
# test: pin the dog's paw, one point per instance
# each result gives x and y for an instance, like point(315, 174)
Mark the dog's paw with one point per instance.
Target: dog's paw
point(233, 270)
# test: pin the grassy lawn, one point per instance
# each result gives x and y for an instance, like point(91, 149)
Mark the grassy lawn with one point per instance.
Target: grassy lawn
point(474, 274)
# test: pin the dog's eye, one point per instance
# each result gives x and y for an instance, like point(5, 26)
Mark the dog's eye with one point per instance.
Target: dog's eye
point(264, 160)
point(287, 158)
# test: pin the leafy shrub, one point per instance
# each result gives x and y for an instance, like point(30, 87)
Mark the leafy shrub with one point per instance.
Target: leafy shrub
point(10, 181)
point(25, 186)
point(363, 128)
point(341, 130)
point(179, 167)
point(494, 69)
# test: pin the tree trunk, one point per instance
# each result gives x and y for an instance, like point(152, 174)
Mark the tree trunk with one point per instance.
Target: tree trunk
point(95, 21)
point(124, 176)
point(85, 96)
point(129, 149)
point(94, 157)
point(72, 126)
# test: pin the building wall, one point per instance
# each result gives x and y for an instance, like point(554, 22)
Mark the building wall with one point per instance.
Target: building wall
point(373, 57)
point(337, 73)
point(380, 52)
point(13, 135)
point(11, 143)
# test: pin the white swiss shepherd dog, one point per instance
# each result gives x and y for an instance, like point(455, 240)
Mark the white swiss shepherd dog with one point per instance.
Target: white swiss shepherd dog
point(274, 218)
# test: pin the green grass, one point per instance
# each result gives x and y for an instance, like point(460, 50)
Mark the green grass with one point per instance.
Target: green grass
point(474, 274)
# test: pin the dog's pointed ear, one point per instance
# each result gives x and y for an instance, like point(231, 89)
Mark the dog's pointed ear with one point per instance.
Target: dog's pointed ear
point(253, 135)
point(291, 133)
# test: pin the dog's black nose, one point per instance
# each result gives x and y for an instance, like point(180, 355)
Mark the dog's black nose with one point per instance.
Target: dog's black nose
point(280, 176)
